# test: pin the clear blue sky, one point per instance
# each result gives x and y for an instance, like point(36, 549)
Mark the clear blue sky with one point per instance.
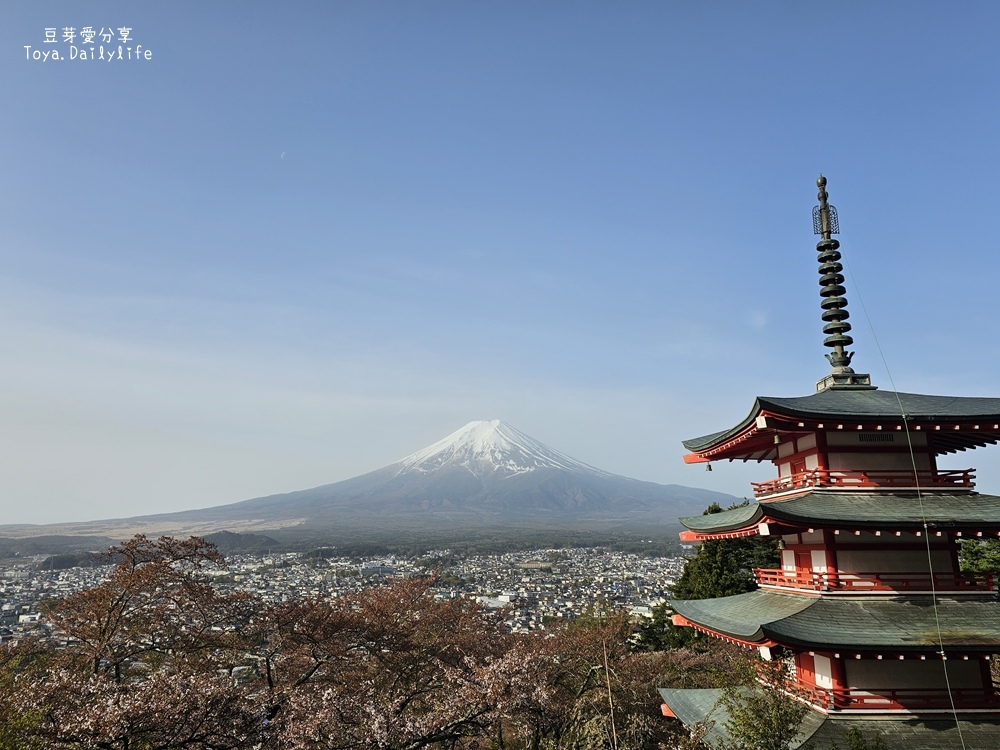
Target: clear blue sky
point(306, 239)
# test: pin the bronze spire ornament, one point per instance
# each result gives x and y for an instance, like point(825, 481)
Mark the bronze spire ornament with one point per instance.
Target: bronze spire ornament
point(834, 303)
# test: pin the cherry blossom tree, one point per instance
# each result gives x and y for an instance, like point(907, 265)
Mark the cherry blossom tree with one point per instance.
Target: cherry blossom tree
point(388, 668)
point(142, 659)
point(154, 657)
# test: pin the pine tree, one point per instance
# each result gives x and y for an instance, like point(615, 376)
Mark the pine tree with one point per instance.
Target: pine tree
point(724, 567)
point(721, 567)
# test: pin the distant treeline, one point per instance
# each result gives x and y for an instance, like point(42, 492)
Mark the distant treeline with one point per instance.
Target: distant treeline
point(68, 551)
point(657, 542)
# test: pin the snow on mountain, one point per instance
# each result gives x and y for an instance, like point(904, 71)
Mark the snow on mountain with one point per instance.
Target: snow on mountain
point(490, 447)
point(483, 475)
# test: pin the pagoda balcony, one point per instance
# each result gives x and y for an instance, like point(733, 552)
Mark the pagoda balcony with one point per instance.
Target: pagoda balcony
point(868, 479)
point(897, 699)
point(889, 583)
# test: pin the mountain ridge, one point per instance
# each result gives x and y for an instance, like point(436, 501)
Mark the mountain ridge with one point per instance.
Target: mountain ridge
point(485, 473)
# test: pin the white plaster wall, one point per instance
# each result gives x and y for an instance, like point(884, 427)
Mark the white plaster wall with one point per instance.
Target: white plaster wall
point(805, 442)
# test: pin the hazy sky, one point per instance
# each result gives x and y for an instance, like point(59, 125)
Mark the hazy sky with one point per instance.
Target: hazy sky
point(305, 239)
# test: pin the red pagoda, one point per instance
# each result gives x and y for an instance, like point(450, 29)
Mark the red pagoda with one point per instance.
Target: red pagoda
point(881, 630)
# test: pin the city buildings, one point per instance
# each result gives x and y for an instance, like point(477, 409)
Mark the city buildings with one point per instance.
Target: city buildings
point(533, 588)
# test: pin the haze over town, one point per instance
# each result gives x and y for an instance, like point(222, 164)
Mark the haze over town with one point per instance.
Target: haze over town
point(299, 242)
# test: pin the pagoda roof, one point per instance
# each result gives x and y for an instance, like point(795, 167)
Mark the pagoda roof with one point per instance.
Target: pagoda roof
point(849, 509)
point(857, 624)
point(702, 706)
point(910, 733)
point(854, 405)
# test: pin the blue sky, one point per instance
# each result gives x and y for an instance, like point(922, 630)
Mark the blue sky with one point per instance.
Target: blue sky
point(307, 239)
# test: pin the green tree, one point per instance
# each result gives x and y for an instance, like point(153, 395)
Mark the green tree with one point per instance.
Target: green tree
point(760, 715)
point(979, 555)
point(658, 633)
point(723, 567)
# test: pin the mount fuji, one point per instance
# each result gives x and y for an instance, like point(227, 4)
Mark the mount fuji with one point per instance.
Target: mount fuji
point(487, 472)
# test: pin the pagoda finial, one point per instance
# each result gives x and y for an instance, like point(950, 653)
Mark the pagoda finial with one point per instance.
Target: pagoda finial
point(832, 291)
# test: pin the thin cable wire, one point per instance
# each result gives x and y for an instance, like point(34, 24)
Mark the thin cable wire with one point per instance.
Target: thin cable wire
point(920, 505)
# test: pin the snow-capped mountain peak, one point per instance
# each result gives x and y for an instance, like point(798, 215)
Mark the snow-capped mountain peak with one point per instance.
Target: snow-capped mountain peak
point(491, 447)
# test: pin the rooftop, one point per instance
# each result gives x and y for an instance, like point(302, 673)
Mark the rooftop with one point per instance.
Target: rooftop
point(824, 732)
point(956, 422)
point(860, 510)
point(857, 625)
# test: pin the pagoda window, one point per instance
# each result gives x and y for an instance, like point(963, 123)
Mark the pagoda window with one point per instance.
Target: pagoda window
point(819, 560)
point(823, 668)
point(788, 560)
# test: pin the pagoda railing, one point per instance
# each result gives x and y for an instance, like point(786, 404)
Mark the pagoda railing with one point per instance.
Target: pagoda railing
point(855, 582)
point(867, 479)
point(898, 699)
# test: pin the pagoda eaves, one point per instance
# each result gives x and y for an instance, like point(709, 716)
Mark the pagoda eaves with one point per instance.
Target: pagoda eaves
point(970, 514)
point(851, 626)
point(954, 422)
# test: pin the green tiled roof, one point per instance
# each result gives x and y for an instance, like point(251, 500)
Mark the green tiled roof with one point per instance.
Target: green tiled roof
point(912, 733)
point(819, 732)
point(744, 615)
point(861, 510)
point(701, 706)
point(875, 403)
point(724, 521)
point(861, 623)
point(847, 403)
